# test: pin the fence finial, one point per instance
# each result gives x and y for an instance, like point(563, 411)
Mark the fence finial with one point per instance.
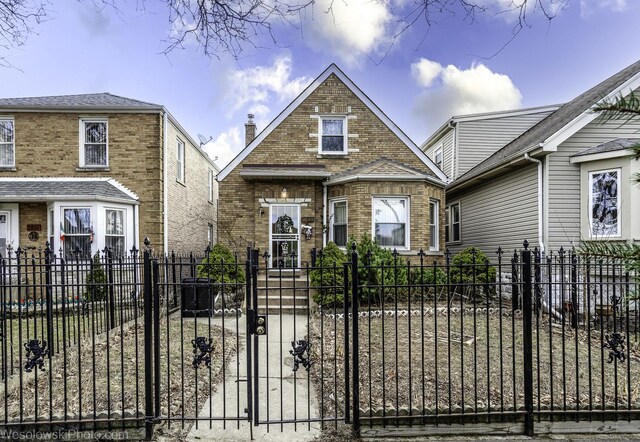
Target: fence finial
point(525, 243)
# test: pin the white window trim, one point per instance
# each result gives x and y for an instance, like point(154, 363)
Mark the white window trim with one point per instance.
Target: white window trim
point(407, 230)
point(332, 203)
point(13, 142)
point(435, 157)
point(181, 170)
point(82, 142)
point(124, 226)
point(450, 225)
point(435, 248)
point(618, 233)
point(92, 213)
point(345, 132)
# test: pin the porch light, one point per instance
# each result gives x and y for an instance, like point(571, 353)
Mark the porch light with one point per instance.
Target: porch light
point(283, 193)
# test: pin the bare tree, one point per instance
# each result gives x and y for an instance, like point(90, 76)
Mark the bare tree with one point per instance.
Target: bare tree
point(17, 20)
point(227, 27)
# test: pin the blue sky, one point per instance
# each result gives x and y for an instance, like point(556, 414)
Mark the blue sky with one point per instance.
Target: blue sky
point(456, 67)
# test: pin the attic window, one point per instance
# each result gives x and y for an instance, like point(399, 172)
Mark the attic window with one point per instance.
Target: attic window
point(333, 135)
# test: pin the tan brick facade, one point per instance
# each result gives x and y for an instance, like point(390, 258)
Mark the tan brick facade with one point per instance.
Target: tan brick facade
point(47, 144)
point(242, 219)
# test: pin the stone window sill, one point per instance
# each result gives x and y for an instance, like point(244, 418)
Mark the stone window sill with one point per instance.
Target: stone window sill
point(93, 169)
point(8, 169)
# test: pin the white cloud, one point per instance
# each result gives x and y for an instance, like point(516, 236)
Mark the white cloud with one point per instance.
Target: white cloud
point(349, 29)
point(462, 91)
point(226, 146)
point(426, 71)
point(253, 90)
point(589, 8)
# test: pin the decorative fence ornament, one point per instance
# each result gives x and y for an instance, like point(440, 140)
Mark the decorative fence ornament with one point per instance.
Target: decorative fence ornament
point(200, 345)
point(615, 343)
point(301, 354)
point(35, 355)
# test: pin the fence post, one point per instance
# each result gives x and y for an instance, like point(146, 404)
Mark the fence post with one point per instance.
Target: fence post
point(574, 290)
point(156, 337)
point(527, 334)
point(354, 337)
point(111, 283)
point(255, 260)
point(49, 298)
point(148, 355)
point(248, 331)
point(515, 292)
point(347, 370)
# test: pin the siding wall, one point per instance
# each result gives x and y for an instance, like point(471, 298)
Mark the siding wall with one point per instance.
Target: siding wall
point(502, 212)
point(478, 139)
point(446, 142)
point(564, 210)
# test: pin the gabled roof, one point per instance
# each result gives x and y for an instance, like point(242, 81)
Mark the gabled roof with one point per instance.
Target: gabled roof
point(610, 146)
point(45, 189)
point(332, 69)
point(83, 101)
point(561, 124)
point(486, 116)
point(381, 169)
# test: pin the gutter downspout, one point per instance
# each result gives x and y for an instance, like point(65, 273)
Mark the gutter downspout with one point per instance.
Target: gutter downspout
point(540, 201)
point(324, 214)
point(165, 176)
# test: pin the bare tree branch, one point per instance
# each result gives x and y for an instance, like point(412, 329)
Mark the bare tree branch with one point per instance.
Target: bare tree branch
point(17, 20)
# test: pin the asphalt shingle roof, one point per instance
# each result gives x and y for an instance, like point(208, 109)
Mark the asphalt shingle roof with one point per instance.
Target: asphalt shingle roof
point(552, 123)
point(101, 100)
point(47, 189)
point(609, 146)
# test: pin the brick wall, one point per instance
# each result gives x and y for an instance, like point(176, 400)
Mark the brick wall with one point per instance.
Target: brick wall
point(47, 145)
point(33, 213)
point(188, 228)
point(293, 142)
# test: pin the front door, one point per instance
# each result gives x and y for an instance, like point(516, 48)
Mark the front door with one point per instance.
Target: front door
point(285, 235)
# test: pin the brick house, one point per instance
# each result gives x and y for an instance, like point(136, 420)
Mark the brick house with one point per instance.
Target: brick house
point(331, 166)
point(99, 170)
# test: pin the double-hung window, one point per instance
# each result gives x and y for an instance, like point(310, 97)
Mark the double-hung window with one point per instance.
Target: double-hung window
point(338, 231)
point(180, 161)
point(452, 223)
point(94, 148)
point(333, 135)
point(438, 157)
point(434, 209)
point(604, 203)
point(7, 145)
point(77, 232)
point(391, 221)
point(114, 238)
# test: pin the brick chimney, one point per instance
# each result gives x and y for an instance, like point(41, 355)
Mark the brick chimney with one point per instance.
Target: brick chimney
point(249, 130)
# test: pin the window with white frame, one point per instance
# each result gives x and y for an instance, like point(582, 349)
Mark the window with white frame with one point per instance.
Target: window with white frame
point(210, 234)
point(434, 209)
point(333, 135)
point(452, 223)
point(338, 224)
point(51, 231)
point(114, 235)
point(604, 203)
point(180, 161)
point(391, 221)
point(438, 157)
point(7, 145)
point(77, 233)
point(210, 185)
point(94, 148)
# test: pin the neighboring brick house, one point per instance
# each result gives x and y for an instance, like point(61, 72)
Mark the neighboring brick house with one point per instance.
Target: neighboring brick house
point(96, 170)
point(331, 166)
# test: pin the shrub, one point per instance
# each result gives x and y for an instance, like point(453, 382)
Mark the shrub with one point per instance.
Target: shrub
point(96, 289)
point(427, 276)
point(221, 266)
point(465, 270)
point(328, 278)
point(381, 275)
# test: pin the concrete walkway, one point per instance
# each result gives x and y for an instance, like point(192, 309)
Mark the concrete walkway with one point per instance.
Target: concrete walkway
point(283, 394)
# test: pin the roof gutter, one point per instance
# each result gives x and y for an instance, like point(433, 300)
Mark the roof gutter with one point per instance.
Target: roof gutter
point(540, 200)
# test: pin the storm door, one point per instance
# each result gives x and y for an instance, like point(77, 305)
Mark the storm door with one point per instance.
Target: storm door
point(285, 235)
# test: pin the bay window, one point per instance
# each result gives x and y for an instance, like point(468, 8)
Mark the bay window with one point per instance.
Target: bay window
point(114, 238)
point(338, 225)
point(391, 221)
point(77, 232)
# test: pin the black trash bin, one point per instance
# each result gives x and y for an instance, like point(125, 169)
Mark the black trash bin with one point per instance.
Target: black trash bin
point(197, 297)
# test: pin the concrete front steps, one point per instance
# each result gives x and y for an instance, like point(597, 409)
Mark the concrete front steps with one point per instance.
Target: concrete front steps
point(285, 292)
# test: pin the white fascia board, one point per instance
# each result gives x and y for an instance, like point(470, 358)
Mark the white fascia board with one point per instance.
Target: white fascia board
point(439, 133)
point(39, 198)
point(505, 114)
point(551, 143)
point(332, 69)
point(111, 181)
point(351, 178)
